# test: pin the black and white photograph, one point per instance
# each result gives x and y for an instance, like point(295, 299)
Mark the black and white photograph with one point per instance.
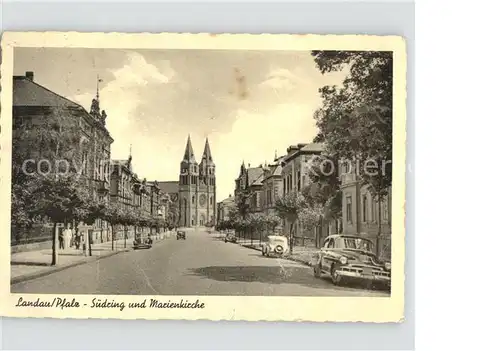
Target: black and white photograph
point(146, 178)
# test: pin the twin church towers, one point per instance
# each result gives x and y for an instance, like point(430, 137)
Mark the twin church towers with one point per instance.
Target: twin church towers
point(197, 202)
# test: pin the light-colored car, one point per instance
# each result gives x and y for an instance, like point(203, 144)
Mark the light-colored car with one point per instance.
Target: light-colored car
point(346, 257)
point(275, 245)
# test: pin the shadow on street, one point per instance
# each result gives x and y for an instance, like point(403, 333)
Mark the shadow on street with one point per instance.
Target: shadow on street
point(261, 274)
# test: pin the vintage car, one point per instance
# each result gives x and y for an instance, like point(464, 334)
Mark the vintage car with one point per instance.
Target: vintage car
point(275, 245)
point(181, 234)
point(230, 238)
point(351, 257)
point(142, 243)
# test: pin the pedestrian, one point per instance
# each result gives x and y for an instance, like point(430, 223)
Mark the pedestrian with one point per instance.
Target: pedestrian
point(84, 244)
point(61, 239)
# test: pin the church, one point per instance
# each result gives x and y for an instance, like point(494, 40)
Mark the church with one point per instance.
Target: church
point(194, 193)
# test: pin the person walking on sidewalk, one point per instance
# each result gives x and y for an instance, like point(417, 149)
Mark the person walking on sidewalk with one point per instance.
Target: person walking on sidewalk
point(61, 239)
point(84, 244)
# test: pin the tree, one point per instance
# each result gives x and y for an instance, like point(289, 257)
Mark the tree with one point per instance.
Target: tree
point(88, 214)
point(257, 221)
point(355, 120)
point(311, 217)
point(115, 215)
point(288, 208)
point(272, 221)
point(59, 198)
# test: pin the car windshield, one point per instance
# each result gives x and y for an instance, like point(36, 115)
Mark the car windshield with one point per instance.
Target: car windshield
point(277, 240)
point(354, 244)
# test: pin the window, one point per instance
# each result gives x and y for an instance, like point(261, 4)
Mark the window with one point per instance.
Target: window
point(211, 200)
point(385, 209)
point(298, 181)
point(365, 208)
point(348, 209)
point(192, 199)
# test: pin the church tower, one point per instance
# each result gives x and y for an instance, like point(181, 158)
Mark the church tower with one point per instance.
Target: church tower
point(207, 189)
point(188, 188)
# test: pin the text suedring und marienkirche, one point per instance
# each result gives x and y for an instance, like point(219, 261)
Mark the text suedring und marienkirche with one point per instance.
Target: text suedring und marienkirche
point(63, 303)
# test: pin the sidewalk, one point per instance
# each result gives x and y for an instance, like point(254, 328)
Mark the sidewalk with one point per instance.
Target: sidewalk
point(300, 254)
point(34, 264)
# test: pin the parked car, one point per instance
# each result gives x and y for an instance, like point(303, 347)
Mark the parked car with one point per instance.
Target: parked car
point(143, 243)
point(230, 237)
point(275, 245)
point(345, 257)
point(181, 234)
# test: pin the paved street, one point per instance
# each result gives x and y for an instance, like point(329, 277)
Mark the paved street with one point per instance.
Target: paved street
point(200, 265)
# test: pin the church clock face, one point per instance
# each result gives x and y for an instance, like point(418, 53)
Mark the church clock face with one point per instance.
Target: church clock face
point(203, 200)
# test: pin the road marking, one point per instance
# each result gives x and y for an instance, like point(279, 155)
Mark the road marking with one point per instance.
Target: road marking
point(147, 281)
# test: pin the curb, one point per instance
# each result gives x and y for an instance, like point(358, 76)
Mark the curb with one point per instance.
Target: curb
point(27, 277)
point(286, 257)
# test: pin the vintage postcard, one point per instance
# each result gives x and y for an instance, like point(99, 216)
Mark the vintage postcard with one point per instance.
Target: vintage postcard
point(203, 177)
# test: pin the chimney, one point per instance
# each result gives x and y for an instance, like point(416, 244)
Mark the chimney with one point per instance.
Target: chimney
point(30, 75)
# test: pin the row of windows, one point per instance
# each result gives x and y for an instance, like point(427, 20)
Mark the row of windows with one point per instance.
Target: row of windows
point(193, 180)
point(367, 211)
point(288, 183)
point(193, 200)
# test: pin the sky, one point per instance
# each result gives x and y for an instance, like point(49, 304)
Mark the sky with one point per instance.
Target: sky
point(248, 103)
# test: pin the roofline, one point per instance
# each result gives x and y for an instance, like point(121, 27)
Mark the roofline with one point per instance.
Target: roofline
point(64, 98)
point(298, 153)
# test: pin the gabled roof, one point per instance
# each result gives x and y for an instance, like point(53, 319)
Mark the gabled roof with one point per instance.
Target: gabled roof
point(28, 93)
point(169, 187)
point(303, 149)
point(258, 181)
point(254, 173)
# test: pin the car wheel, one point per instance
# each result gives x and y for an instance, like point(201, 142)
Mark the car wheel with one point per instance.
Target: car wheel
point(317, 271)
point(336, 278)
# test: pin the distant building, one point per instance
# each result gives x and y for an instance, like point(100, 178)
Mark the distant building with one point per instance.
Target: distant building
point(195, 192)
point(272, 186)
point(224, 208)
point(249, 183)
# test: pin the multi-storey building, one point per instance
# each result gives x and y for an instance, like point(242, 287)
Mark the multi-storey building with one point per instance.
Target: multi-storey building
point(362, 212)
point(35, 107)
point(224, 208)
point(295, 177)
point(195, 192)
point(272, 186)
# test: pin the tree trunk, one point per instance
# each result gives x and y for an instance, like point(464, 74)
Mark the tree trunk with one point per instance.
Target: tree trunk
point(112, 237)
point(89, 241)
point(125, 235)
point(292, 225)
point(55, 245)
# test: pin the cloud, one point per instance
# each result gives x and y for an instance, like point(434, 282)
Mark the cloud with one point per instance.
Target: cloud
point(122, 96)
point(281, 79)
point(255, 136)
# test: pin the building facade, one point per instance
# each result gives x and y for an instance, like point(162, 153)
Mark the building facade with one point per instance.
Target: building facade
point(363, 214)
point(224, 209)
point(36, 108)
point(195, 192)
point(272, 186)
point(295, 177)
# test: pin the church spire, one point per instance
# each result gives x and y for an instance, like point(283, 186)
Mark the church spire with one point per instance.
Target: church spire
point(95, 109)
point(207, 154)
point(188, 152)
